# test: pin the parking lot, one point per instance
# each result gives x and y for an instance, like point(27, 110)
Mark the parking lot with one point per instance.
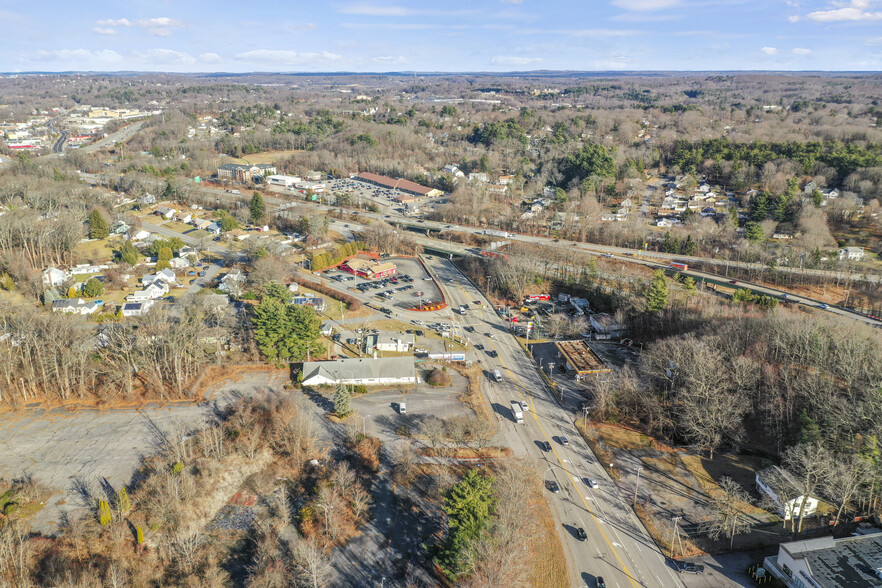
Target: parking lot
point(407, 288)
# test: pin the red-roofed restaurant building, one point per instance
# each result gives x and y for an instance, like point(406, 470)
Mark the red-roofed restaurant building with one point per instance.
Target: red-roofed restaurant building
point(398, 184)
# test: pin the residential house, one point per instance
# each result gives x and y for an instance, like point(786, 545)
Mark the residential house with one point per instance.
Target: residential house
point(452, 169)
point(708, 211)
point(179, 262)
point(293, 287)
point(53, 277)
point(75, 306)
point(232, 281)
point(397, 343)
point(506, 180)
point(146, 199)
point(82, 269)
point(606, 327)
point(479, 177)
point(668, 222)
point(166, 212)
point(166, 275)
point(496, 189)
point(851, 254)
point(782, 490)
point(809, 188)
point(239, 234)
point(140, 235)
point(137, 308)
point(185, 217)
point(358, 371)
point(825, 562)
point(327, 329)
point(152, 291)
point(317, 302)
point(119, 228)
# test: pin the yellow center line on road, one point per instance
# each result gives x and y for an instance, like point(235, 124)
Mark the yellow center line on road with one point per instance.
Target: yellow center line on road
point(572, 481)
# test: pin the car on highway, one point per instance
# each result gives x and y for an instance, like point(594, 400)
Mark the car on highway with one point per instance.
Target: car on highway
point(823, 306)
point(526, 408)
point(592, 483)
point(546, 446)
point(687, 567)
point(552, 486)
point(607, 255)
point(479, 347)
point(564, 441)
point(420, 350)
point(492, 353)
point(599, 583)
point(581, 534)
point(733, 281)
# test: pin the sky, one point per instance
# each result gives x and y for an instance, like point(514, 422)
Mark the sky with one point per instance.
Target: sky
point(434, 36)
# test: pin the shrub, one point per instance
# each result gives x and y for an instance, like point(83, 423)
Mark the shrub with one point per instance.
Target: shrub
point(438, 378)
point(104, 516)
point(139, 535)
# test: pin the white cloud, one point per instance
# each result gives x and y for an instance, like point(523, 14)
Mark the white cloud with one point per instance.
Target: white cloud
point(164, 56)
point(308, 26)
point(793, 18)
point(390, 59)
point(874, 41)
point(641, 5)
point(769, 50)
point(515, 60)
point(283, 57)
point(210, 58)
point(375, 10)
point(80, 56)
point(846, 11)
point(110, 22)
point(162, 21)
point(801, 51)
point(511, 1)
point(103, 31)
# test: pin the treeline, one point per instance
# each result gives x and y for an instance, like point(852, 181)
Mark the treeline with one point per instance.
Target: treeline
point(61, 356)
point(690, 156)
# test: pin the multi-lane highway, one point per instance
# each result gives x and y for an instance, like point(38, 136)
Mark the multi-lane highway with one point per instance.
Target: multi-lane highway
point(617, 548)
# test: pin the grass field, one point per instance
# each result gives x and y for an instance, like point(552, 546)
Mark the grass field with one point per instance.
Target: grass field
point(99, 250)
point(270, 156)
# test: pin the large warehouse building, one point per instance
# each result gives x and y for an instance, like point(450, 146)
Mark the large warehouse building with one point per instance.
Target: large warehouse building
point(365, 370)
point(399, 184)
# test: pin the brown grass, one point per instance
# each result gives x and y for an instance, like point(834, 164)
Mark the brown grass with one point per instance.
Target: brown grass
point(549, 565)
point(466, 452)
point(270, 156)
point(472, 397)
point(663, 538)
point(726, 465)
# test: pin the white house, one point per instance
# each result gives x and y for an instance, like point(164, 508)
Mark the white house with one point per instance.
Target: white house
point(137, 308)
point(152, 291)
point(399, 343)
point(356, 371)
point(54, 277)
point(851, 254)
point(186, 218)
point(479, 177)
point(78, 306)
point(165, 275)
point(179, 262)
point(166, 212)
point(782, 490)
point(140, 235)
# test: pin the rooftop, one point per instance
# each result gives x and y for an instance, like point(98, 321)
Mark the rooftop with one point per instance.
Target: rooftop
point(581, 357)
point(840, 563)
point(360, 368)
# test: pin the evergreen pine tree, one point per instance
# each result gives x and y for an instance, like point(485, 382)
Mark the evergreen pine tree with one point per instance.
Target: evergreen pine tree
point(163, 259)
point(657, 294)
point(98, 227)
point(342, 401)
point(257, 208)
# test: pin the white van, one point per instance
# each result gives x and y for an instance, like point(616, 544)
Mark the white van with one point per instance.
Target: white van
point(402, 408)
point(497, 377)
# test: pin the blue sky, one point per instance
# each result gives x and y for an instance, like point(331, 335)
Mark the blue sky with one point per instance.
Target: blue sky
point(454, 35)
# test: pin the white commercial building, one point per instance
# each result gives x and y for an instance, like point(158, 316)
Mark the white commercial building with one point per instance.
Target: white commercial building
point(355, 371)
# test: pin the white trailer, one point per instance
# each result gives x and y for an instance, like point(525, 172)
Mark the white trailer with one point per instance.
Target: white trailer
point(496, 233)
point(517, 412)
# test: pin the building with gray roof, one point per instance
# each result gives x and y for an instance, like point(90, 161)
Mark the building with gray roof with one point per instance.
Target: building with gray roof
point(850, 562)
point(363, 370)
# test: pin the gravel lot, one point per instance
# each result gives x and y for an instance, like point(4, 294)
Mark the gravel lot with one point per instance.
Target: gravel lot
point(78, 452)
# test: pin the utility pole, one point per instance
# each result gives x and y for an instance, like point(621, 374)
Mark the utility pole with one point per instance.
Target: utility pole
point(675, 537)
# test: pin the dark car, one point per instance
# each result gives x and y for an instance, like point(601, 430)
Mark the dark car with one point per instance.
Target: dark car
point(599, 583)
point(545, 445)
point(419, 333)
point(201, 274)
point(733, 281)
point(582, 535)
point(552, 486)
point(479, 347)
point(690, 568)
point(492, 353)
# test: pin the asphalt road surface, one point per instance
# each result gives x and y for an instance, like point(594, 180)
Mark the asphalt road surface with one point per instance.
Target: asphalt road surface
point(618, 547)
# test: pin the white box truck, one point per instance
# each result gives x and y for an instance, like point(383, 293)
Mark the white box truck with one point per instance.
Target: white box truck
point(497, 376)
point(517, 412)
